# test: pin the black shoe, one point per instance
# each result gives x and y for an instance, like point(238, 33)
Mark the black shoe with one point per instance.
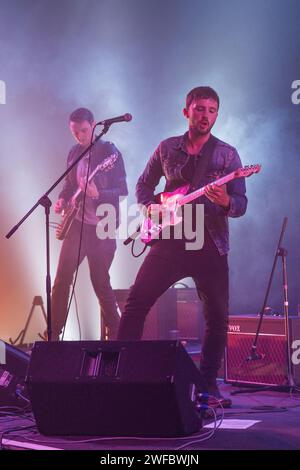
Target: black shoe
point(216, 399)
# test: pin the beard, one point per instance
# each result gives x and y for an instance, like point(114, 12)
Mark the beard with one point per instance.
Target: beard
point(197, 131)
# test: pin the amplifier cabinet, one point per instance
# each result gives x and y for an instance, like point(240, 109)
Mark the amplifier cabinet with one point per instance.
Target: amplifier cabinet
point(177, 314)
point(271, 367)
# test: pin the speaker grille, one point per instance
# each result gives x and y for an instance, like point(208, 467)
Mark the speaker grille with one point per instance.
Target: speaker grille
point(271, 368)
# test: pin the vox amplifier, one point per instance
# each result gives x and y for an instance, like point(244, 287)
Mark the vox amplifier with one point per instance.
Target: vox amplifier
point(271, 367)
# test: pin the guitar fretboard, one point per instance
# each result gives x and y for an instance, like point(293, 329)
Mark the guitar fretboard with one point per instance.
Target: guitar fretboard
point(200, 192)
point(105, 165)
point(91, 176)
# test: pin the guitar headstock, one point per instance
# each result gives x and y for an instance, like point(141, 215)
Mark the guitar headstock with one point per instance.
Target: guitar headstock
point(247, 171)
point(109, 162)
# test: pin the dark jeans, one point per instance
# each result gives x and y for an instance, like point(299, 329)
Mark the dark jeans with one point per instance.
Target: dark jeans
point(167, 263)
point(100, 254)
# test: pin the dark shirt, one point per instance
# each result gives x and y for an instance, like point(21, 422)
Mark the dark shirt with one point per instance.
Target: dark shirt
point(111, 184)
point(171, 160)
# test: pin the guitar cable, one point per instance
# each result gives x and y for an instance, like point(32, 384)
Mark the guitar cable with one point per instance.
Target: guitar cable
point(140, 253)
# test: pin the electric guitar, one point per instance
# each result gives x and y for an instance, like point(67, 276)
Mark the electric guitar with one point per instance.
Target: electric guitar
point(150, 229)
point(72, 209)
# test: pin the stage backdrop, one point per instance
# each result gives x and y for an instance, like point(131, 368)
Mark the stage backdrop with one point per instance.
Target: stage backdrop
point(142, 57)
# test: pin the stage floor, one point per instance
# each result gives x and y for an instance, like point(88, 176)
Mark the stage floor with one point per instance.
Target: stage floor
point(261, 420)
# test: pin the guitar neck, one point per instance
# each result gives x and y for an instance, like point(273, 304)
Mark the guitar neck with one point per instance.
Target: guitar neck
point(91, 176)
point(200, 192)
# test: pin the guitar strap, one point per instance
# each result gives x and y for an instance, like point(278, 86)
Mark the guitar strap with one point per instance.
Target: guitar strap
point(199, 178)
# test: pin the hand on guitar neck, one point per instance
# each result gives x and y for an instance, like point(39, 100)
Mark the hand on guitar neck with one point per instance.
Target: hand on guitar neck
point(91, 189)
point(218, 195)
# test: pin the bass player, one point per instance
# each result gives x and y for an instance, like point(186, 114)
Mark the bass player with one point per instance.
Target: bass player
point(105, 188)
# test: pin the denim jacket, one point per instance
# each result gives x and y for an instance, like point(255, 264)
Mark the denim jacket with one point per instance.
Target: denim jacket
point(110, 184)
point(169, 160)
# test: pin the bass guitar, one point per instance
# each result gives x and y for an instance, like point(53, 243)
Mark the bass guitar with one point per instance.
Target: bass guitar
point(69, 213)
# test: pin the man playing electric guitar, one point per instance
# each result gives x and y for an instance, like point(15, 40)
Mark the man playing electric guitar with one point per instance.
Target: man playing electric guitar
point(179, 159)
point(104, 187)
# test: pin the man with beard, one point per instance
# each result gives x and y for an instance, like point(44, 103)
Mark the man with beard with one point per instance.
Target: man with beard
point(195, 158)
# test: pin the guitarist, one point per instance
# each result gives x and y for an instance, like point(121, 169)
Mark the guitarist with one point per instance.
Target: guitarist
point(105, 187)
point(178, 159)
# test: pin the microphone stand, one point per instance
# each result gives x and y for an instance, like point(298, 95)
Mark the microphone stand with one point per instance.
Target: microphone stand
point(46, 203)
point(254, 355)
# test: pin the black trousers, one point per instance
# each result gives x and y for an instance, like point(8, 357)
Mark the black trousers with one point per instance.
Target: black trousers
point(100, 254)
point(167, 263)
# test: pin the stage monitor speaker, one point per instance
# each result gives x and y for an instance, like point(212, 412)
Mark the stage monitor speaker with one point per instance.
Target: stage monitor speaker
point(271, 368)
point(13, 368)
point(116, 388)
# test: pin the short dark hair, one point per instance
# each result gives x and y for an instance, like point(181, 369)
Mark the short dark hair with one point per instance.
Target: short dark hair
point(82, 114)
point(202, 92)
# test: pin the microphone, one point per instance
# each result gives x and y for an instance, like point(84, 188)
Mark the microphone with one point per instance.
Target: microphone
point(107, 122)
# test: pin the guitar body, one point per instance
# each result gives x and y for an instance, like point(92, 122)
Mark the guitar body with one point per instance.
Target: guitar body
point(68, 216)
point(152, 227)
